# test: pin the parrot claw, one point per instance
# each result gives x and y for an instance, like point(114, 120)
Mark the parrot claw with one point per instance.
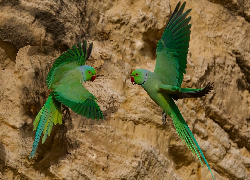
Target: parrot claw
point(164, 118)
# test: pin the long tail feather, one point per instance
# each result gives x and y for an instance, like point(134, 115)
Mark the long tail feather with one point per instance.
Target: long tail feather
point(49, 114)
point(185, 133)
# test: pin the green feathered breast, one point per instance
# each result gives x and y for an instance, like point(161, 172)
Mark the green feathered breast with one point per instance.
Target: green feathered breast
point(164, 84)
point(70, 92)
point(65, 80)
point(77, 56)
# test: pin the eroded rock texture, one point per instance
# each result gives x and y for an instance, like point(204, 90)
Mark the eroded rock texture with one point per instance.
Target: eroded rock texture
point(131, 143)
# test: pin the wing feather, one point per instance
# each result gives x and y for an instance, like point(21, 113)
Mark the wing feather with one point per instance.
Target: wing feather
point(77, 54)
point(172, 48)
point(73, 94)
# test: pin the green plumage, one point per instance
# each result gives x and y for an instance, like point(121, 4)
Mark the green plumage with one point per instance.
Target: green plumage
point(164, 84)
point(79, 55)
point(49, 114)
point(70, 92)
point(65, 79)
point(180, 93)
point(174, 46)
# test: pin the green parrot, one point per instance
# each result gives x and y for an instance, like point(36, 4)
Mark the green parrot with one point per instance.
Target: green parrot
point(164, 84)
point(65, 80)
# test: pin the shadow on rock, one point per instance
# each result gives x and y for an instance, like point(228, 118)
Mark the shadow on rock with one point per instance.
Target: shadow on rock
point(56, 146)
point(2, 157)
point(10, 49)
point(9, 2)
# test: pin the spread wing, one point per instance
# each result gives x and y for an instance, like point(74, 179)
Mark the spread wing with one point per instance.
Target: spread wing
point(78, 54)
point(70, 91)
point(193, 93)
point(172, 48)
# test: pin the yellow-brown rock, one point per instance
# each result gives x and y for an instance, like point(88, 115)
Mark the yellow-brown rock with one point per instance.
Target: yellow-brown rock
point(131, 143)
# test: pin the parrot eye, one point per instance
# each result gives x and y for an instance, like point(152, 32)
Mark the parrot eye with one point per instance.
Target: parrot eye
point(89, 72)
point(136, 74)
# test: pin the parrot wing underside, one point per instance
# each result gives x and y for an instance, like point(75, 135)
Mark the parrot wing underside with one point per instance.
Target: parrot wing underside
point(73, 94)
point(180, 93)
point(172, 48)
point(193, 93)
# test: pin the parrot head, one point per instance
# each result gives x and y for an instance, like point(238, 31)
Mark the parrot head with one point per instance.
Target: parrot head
point(139, 76)
point(88, 73)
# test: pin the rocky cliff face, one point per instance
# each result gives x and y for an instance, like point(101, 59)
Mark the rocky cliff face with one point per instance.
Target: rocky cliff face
point(131, 143)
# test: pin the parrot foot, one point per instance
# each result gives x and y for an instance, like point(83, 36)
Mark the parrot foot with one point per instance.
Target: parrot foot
point(164, 118)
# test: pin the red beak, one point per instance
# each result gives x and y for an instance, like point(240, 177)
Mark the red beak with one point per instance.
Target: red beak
point(93, 78)
point(132, 80)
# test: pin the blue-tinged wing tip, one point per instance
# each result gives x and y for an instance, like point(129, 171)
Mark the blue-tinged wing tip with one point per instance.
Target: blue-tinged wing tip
point(32, 154)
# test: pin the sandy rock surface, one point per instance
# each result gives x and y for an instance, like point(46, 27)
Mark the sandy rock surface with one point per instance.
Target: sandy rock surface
point(131, 143)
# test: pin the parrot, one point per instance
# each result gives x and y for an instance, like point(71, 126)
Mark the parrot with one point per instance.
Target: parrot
point(164, 84)
point(64, 80)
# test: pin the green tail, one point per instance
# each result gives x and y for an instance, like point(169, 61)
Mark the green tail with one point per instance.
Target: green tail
point(49, 114)
point(185, 133)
